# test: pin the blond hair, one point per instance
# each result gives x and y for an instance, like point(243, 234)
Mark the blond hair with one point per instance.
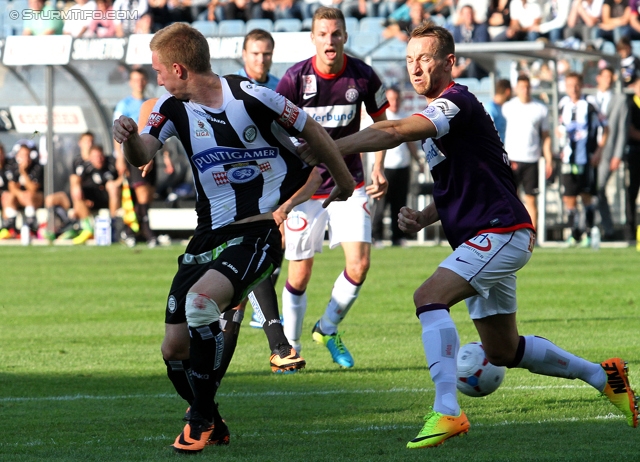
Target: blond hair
point(180, 43)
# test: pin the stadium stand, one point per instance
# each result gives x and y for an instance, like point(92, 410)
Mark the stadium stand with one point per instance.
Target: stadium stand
point(353, 25)
point(208, 28)
point(287, 25)
point(231, 28)
point(362, 43)
point(263, 23)
point(372, 24)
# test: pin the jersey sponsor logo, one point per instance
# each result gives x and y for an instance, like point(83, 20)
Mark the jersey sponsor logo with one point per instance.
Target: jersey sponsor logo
point(240, 174)
point(309, 86)
point(214, 157)
point(433, 154)
point(155, 119)
point(201, 130)
point(250, 133)
point(289, 114)
point(332, 116)
point(352, 95)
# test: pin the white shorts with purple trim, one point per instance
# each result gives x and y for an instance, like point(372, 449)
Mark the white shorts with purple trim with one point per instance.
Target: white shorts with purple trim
point(489, 263)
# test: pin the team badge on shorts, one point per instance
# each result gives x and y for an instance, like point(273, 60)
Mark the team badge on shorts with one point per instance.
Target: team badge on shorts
point(296, 223)
point(352, 95)
point(172, 304)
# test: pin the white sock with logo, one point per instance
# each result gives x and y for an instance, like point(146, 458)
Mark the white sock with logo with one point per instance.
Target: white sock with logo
point(544, 357)
point(441, 343)
point(343, 296)
point(294, 307)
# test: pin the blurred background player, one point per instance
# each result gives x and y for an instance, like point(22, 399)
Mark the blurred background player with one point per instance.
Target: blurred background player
point(94, 185)
point(24, 190)
point(613, 111)
point(494, 107)
point(257, 55)
point(397, 170)
point(579, 127)
point(526, 140)
point(331, 87)
point(142, 187)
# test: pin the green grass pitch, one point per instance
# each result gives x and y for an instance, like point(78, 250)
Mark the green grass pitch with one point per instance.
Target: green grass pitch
point(82, 379)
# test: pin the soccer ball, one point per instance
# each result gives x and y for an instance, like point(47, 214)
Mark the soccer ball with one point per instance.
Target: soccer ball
point(476, 375)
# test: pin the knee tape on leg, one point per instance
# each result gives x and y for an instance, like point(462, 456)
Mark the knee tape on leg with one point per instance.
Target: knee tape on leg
point(200, 310)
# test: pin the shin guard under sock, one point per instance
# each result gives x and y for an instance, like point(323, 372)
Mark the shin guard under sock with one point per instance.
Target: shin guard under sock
point(179, 372)
point(206, 349)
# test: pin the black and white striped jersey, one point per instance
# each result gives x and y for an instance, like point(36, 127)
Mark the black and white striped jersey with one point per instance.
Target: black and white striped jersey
point(241, 154)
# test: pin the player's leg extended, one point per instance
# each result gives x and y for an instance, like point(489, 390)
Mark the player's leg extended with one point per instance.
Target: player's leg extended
point(441, 343)
point(504, 347)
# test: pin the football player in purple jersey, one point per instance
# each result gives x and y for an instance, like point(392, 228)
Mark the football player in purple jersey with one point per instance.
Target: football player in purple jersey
point(491, 235)
point(331, 87)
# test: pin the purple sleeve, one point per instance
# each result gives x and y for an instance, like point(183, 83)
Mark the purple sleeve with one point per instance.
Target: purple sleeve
point(376, 102)
point(287, 88)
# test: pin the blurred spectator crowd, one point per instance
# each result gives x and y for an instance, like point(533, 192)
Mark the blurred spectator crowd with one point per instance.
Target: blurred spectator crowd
point(571, 23)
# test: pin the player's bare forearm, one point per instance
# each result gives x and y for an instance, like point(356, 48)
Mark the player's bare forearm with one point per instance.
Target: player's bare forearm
point(301, 195)
point(387, 134)
point(327, 152)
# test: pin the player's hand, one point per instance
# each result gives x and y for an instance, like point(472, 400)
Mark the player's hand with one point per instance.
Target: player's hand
point(514, 165)
point(146, 168)
point(123, 128)
point(307, 154)
point(279, 216)
point(338, 194)
point(379, 185)
point(410, 221)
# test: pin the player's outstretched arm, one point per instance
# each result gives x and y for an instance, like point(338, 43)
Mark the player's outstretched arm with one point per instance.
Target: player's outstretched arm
point(301, 195)
point(387, 134)
point(327, 153)
point(138, 150)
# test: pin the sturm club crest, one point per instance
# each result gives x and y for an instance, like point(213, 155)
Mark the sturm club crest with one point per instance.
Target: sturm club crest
point(250, 133)
point(352, 95)
point(172, 304)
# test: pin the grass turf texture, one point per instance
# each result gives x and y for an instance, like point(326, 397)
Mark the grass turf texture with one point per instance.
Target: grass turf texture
point(81, 376)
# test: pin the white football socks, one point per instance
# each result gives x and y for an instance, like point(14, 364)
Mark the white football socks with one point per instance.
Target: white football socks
point(343, 295)
point(441, 344)
point(543, 357)
point(294, 307)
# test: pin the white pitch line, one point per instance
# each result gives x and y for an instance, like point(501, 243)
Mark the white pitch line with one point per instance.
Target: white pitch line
point(271, 393)
point(369, 428)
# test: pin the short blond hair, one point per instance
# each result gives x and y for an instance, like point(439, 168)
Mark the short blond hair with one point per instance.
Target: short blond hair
point(180, 43)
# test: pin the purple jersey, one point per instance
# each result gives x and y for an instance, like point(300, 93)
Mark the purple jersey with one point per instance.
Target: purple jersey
point(335, 102)
point(474, 190)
